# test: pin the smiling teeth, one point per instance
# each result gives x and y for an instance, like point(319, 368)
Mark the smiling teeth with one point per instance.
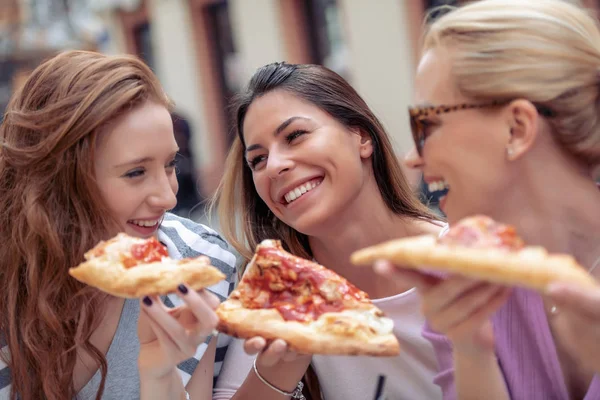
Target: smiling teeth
point(146, 224)
point(300, 190)
point(437, 186)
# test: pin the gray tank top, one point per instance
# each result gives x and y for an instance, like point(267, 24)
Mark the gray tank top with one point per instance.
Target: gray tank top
point(122, 380)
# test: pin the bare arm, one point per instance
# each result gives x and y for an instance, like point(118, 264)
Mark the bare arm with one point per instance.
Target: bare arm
point(200, 385)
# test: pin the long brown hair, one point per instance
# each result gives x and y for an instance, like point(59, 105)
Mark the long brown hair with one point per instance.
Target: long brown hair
point(52, 212)
point(245, 219)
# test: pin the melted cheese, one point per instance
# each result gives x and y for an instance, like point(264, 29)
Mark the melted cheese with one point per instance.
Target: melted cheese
point(380, 325)
point(120, 246)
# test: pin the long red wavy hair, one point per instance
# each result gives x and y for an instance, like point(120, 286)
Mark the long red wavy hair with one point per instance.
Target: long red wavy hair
point(52, 212)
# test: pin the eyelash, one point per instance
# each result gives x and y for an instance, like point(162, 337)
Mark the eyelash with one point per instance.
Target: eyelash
point(289, 138)
point(294, 134)
point(139, 172)
point(427, 126)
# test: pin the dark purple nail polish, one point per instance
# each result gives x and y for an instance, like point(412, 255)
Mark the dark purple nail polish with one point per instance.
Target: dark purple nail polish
point(147, 301)
point(182, 289)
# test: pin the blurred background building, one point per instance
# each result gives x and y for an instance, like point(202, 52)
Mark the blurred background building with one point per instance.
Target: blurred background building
point(205, 50)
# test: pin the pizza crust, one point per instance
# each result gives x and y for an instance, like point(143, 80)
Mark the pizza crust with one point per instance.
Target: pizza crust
point(530, 267)
point(152, 279)
point(318, 337)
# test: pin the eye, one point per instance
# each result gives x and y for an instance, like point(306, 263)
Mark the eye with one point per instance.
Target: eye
point(294, 134)
point(173, 163)
point(255, 162)
point(427, 126)
point(136, 173)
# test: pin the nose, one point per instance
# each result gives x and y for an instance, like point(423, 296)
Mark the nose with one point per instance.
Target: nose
point(412, 159)
point(164, 192)
point(278, 164)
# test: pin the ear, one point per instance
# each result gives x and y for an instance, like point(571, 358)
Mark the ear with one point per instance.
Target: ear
point(366, 143)
point(524, 121)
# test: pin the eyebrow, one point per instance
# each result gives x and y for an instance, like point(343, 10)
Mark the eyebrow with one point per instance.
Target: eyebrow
point(279, 129)
point(142, 160)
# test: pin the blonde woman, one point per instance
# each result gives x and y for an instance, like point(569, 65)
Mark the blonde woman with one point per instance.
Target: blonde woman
point(508, 123)
point(313, 167)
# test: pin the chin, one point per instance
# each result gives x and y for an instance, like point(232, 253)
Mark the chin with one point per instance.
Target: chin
point(310, 225)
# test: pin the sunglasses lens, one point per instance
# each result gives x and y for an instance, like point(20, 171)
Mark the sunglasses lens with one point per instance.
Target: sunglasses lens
point(415, 127)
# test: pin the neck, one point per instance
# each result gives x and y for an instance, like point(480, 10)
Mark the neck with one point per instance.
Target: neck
point(556, 207)
point(368, 221)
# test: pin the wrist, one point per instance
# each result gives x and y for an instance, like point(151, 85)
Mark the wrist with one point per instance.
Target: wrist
point(473, 353)
point(282, 377)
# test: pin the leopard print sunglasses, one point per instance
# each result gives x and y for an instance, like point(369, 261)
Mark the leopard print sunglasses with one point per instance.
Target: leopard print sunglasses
point(418, 115)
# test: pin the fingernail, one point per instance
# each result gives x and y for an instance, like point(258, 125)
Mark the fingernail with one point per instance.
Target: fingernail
point(147, 301)
point(182, 288)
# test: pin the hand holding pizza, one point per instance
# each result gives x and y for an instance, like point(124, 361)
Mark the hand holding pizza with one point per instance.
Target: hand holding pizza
point(132, 267)
point(457, 307)
point(475, 250)
point(581, 309)
point(169, 336)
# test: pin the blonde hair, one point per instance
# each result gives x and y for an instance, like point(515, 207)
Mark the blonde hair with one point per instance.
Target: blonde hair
point(245, 220)
point(544, 51)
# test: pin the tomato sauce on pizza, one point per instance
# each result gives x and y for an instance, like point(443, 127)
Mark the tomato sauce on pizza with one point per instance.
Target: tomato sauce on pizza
point(299, 289)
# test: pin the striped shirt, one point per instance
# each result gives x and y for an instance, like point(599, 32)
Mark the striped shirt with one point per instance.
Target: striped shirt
point(183, 238)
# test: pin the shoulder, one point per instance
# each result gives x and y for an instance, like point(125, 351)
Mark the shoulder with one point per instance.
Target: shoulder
point(185, 238)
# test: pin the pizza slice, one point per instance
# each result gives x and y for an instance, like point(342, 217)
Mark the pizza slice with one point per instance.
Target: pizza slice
point(309, 306)
point(131, 267)
point(481, 248)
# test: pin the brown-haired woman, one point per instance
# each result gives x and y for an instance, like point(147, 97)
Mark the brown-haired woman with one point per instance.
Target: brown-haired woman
point(87, 150)
point(313, 167)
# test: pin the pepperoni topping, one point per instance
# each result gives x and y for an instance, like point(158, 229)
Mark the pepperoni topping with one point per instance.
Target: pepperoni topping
point(299, 289)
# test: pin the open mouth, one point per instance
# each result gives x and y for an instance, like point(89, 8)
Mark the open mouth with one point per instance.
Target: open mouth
point(300, 190)
point(438, 188)
point(145, 223)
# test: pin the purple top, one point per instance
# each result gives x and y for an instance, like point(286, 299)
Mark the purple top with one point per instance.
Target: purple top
point(525, 350)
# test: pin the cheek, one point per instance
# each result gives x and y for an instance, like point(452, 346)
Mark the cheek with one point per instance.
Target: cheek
point(174, 183)
point(115, 198)
point(261, 184)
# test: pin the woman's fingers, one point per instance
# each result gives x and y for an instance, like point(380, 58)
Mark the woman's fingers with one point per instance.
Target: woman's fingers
point(274, 353)
point(202, 305)
point(186, 340)
point(440, 296)
point(271, 353)
point(254, 345)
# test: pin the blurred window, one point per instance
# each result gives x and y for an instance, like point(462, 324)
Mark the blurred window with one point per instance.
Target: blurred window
point(327, 42)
